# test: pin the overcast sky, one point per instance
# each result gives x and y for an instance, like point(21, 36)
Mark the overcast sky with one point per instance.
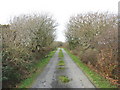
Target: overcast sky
point(60, 9)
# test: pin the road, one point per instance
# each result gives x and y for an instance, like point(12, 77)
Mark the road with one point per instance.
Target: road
point(49, 77)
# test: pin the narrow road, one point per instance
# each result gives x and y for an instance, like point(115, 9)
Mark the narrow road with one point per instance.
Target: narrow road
point(49, 77)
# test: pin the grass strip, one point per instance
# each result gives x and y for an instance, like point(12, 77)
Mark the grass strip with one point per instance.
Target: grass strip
point(38, 69)
point(96, 79)
point(61, 63)
point(64, 79)
point(61, 68)
point(60, 54)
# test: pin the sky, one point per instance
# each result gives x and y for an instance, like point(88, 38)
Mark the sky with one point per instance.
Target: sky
point(61, 10)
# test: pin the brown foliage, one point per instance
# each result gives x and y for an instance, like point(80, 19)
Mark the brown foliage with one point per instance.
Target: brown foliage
point(94, 38)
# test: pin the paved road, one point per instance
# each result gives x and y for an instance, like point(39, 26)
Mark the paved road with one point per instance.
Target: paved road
point(49, 77)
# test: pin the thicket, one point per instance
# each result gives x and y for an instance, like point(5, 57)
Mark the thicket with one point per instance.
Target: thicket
point(26, 40)
point(93, 37)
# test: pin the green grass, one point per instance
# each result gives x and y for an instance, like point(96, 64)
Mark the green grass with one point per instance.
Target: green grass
point(63, 79)
point(38, 69)
point(96, 79)
point(60, 54)
point(61, 63)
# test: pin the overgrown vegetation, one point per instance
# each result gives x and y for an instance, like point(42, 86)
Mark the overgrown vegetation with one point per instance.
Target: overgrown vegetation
point(64, 79)
point(93, 38)
point(26, 40)
point(97, 80)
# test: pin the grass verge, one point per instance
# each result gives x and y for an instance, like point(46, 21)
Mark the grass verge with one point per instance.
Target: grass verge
point(96, 79)
point(38, 69)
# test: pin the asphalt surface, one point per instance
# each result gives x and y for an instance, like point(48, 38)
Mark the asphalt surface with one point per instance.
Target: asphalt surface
point(49, 77)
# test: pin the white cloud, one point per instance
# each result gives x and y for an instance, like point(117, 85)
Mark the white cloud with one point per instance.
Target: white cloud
point(61, 9)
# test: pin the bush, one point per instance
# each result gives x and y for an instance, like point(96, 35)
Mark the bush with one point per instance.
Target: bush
point(94, 38)
point(25, 41)
point(90, 57)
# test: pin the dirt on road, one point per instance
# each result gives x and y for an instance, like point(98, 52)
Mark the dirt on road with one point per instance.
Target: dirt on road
point(53, 74)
